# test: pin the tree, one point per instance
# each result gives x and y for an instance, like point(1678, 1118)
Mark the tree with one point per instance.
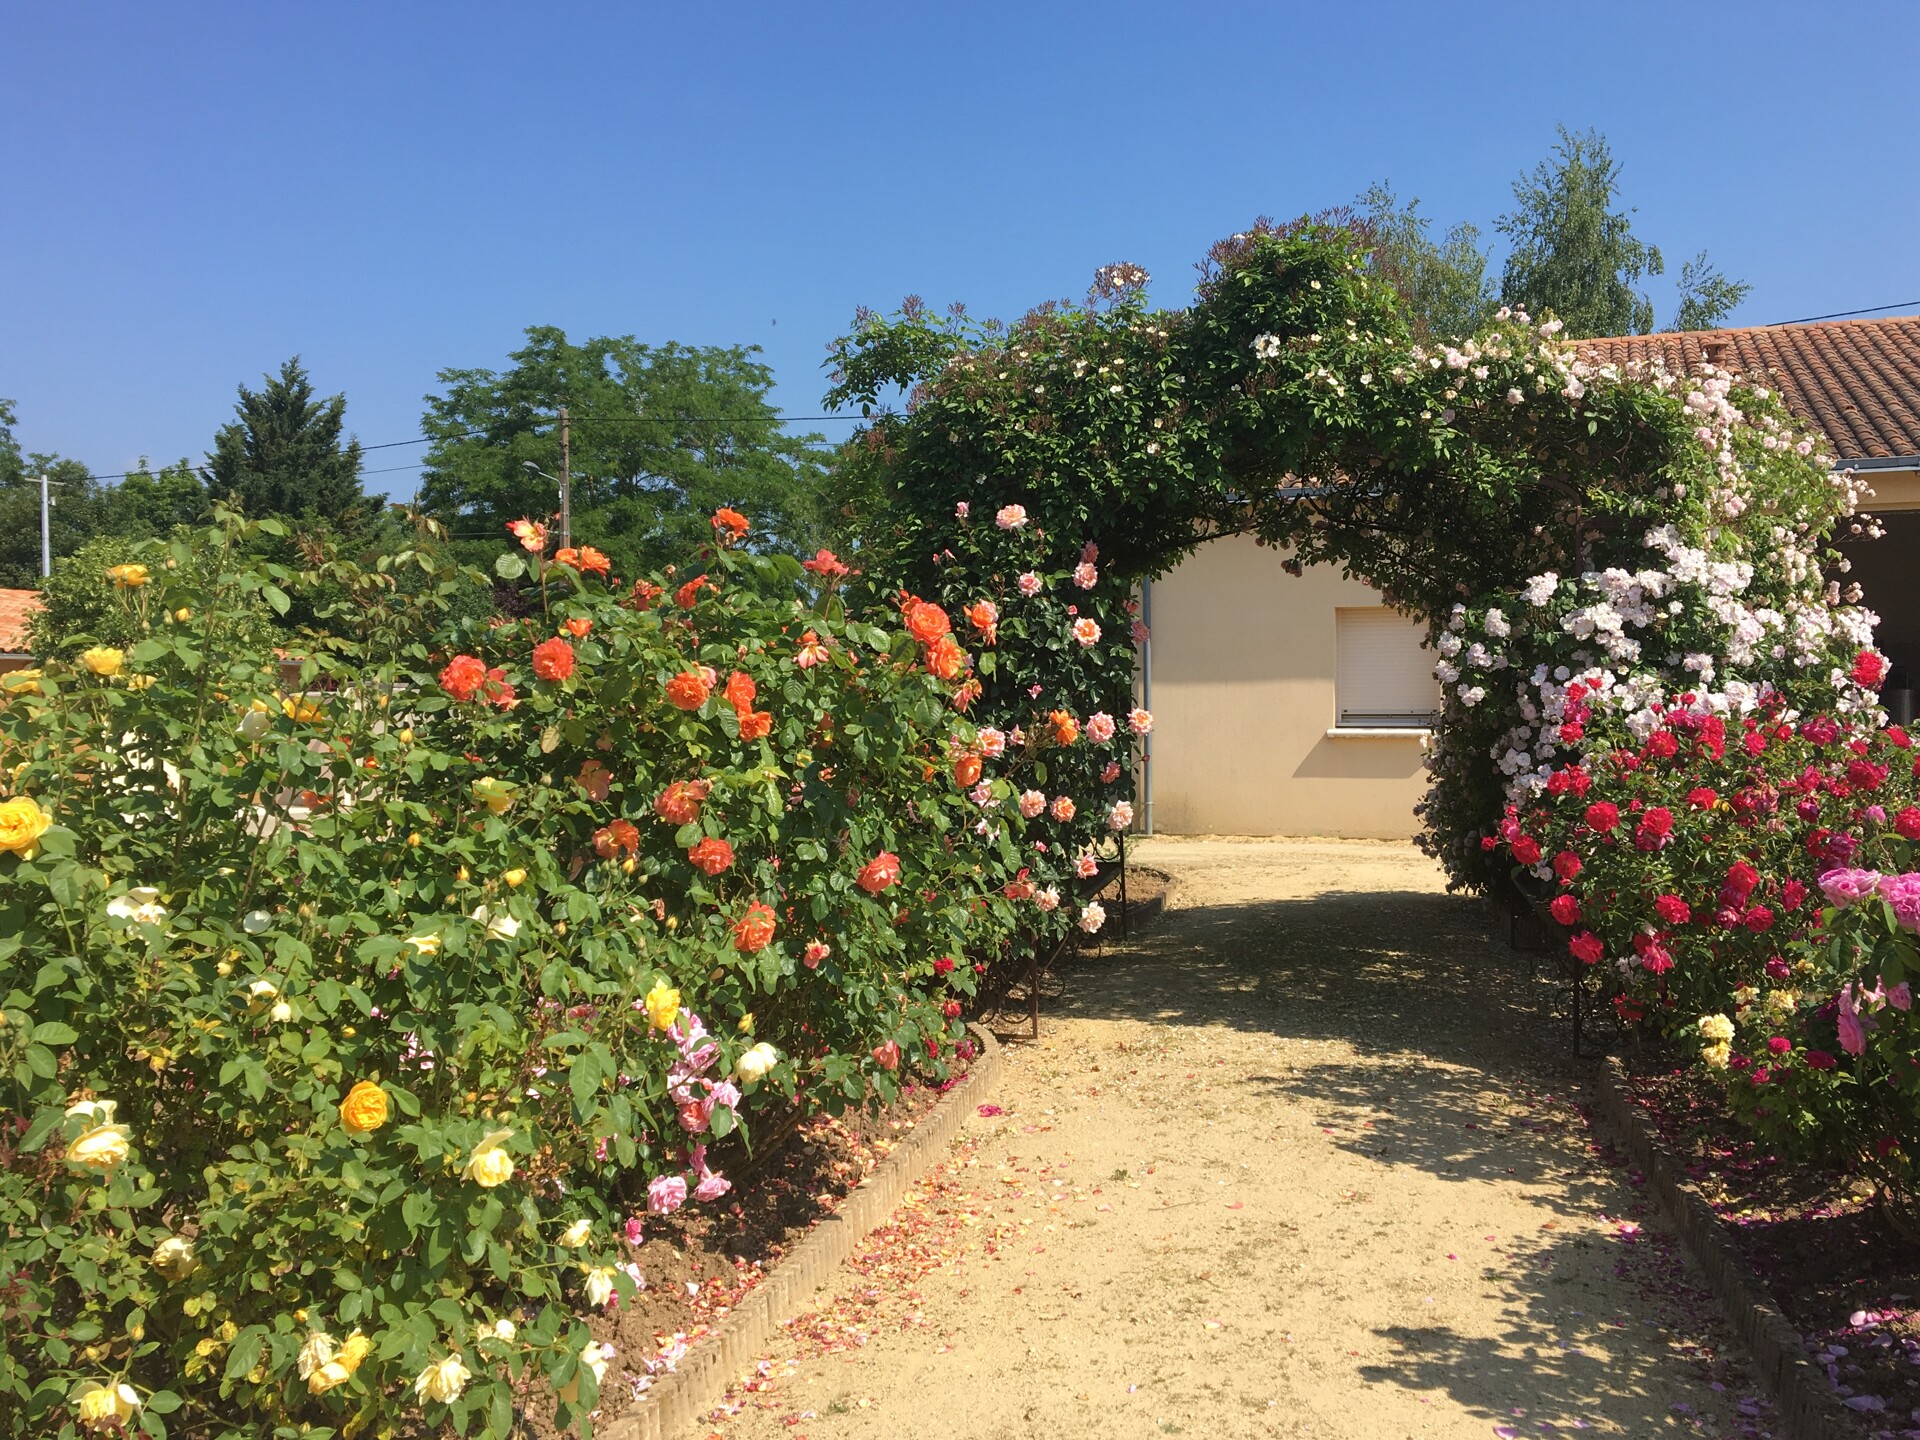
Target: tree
point(283, 455)
point(145, 503)
point(1575, 256)
point(78, 506)
point(1444, 282)
point(661, 437)
point(1706, 296)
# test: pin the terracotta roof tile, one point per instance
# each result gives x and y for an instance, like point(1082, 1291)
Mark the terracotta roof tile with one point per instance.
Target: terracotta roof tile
point(15, 607)
point(1856, 381)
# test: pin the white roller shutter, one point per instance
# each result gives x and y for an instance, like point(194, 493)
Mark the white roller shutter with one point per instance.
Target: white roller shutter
point(1385, 679)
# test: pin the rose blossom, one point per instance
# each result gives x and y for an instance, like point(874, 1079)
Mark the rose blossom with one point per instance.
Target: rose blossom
point(666, 1194)
point(1849, 887)
point(1100, 727)
point(1048, 899)
point(1086, 631)
point(1902, 892)
point(1032, 802)
point(1029, 584)
point(993, 744)
point(1140, 721)
point(1011, 517)
point(1092, 916)
point(1085, 575)
point(1120, 816)
point(1062, 808)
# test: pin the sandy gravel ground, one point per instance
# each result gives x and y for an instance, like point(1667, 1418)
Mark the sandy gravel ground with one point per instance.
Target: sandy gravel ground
point(1305, 1159)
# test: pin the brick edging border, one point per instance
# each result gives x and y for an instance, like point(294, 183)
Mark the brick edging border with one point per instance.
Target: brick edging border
point(685, 1395)
point(1808, 1409)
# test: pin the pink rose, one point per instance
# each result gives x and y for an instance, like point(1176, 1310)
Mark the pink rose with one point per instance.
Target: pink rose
point(666, 1194)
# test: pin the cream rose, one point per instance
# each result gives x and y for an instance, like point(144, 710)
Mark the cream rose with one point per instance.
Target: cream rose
point(101, 1148)
point(108, 1407)
point(757, 1062)
point(489, 1165)
point(442, 1381)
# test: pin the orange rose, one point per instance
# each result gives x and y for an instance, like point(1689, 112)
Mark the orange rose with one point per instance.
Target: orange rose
point(553, 659)
point(741, 691)
point(966, 771)
point(925, 621)
point(688, 690)
point(878, 873)
point(712, 855)
point(680, 802)
point(753, 931)
point(984, 617)
point(728, 525)
point(609, 840)
point(1066, 729)
point(645, 592)
point(756, 725)
point(579, 627)
point(596, 779)
point(688, 594)
point(945, 659)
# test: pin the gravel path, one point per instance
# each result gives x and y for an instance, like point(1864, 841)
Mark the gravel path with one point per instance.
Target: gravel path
point(1304, 1159)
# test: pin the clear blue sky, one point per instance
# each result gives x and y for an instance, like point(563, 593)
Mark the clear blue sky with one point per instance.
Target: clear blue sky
point(196, 191)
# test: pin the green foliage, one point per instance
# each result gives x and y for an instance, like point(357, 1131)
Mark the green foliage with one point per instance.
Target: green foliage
point(444, 864)
point(283, 455)
point(1443, 282)
point(1706, 296)
point(1574, 256)
point(146, 503)
point(661, 436)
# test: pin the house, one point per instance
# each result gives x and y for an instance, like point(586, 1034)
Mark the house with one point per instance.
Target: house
point(1315, 722)
point(15, 608)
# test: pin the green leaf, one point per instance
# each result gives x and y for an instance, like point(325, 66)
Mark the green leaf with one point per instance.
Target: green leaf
point(52, 1032)
point(509, 566)
point(277, 598)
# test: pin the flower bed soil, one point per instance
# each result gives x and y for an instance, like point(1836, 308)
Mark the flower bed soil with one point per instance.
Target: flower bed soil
point(703, 1261)
point(1846, 1280)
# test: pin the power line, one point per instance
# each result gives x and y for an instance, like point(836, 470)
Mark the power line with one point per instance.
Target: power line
point(1843, 314)
point(578, 419)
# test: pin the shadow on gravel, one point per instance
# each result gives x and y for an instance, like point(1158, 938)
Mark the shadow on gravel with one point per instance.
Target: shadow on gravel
point(1557, 1366)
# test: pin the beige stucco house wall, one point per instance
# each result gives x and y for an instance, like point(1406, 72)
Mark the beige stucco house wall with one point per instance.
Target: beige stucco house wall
point(1243, 697)
point(1245, 665)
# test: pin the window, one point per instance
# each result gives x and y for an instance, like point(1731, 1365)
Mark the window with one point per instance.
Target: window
point(1384, 679)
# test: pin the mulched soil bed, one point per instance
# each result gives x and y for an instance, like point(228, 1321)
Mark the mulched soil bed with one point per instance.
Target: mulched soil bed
point(1845, 1278)
point(700, 1263)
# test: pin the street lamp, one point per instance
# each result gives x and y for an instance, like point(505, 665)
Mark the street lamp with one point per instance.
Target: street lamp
point(564, 481)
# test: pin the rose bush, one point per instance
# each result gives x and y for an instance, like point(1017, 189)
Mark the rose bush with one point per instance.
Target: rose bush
point(350, 1022)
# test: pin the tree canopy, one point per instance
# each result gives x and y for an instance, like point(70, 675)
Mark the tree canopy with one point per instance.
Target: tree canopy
point(1575, 254)
point(661, 437)
point(283, 455)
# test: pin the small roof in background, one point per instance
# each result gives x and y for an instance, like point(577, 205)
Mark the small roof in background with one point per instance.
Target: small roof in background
point(15, 607)
point(1856, 381)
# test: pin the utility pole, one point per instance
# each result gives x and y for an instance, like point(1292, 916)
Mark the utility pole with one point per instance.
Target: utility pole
point(566, 482)
point(46, 530)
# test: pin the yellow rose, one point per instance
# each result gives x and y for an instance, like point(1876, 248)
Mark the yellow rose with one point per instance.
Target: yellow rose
point(442, 1381)
point(101, 1148)
point(365, 1108)
point(301, 710)
point(317, 1351)
point(139, 682)
point(182, 615)
point(108, 1407)
point(496, 795)
point(406, 736)
point(104, 660)
point(127, 577)
point(515, 879)
point(576, 1234)
point(424, 944)
point(663, 1005)
point(20, 682)
point(22, 823)
point(173, 1257)
point(489, 1165)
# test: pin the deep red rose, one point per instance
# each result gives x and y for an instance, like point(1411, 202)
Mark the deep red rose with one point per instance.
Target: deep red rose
point(1820, 1060)
point(1702, 798)
point(1602, 816)
point(1869, 669)
point(1672, 909)
point(1567, 865)
point(1759, 919)
point(1526, 850)
point(1565, 909)
point(1586, 947)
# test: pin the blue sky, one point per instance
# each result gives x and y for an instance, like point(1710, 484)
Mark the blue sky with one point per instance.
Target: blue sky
point(195, 192)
